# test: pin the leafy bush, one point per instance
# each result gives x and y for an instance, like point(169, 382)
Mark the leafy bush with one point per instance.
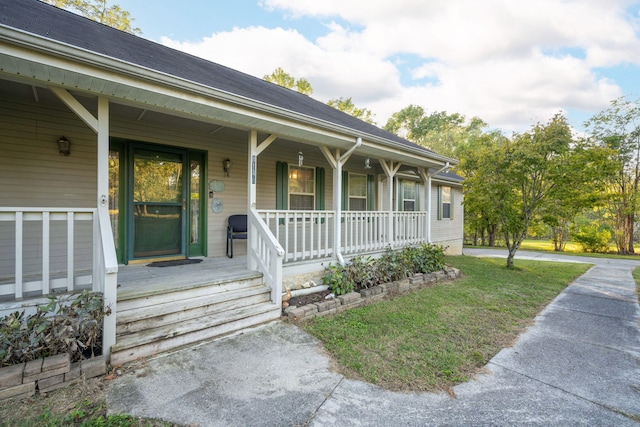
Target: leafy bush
point(592, 238)
point(58, 327)
point(365, 272)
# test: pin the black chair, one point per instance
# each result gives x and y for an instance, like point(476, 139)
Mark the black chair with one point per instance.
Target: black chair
point(236, 229)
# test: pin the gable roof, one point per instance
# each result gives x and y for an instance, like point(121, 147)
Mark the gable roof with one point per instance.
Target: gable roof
point(36, 17)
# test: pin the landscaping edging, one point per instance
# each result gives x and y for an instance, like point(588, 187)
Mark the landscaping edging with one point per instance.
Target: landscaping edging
point(48, 374)
point(366, 296)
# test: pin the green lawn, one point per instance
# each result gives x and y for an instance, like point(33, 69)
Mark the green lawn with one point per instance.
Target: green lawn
point(438, 337)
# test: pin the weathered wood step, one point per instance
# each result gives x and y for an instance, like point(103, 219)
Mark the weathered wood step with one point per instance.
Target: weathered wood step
point(157, 316)
point(128, 300)
point(134, 346)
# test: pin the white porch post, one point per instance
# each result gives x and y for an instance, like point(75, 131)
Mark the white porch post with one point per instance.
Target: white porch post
point(251, 193)
point(109, 289)
point(426, 178)
point(390, 171)
point(336, 163)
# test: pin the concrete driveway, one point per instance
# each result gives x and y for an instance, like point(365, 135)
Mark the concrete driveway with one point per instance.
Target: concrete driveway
point(579, 364)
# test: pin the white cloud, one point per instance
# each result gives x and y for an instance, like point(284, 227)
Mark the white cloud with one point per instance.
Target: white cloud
point(504, 61)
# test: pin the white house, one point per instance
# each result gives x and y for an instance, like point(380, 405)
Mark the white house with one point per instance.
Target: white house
point(116, 151)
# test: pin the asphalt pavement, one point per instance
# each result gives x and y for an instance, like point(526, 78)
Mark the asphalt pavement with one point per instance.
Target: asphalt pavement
point(579, 364)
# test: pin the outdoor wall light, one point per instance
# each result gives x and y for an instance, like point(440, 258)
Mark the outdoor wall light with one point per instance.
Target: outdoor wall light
point(64, 146)
point(367, 163)
point(300, 158)
point(227, 166)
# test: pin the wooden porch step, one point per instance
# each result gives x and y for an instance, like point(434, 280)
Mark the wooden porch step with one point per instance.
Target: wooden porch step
point(150, 324)
point(149, 316)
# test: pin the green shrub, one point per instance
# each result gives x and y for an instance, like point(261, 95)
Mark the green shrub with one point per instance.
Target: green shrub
point(365, 272)
point(592, 238)
point(58, 327)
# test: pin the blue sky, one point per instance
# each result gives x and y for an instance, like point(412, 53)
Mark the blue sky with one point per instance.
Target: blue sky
point(511, 63)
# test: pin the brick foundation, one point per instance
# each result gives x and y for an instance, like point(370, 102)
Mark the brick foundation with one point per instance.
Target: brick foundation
point(48, 374)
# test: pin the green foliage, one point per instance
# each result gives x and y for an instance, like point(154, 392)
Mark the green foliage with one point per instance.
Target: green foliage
point(592, 238)
point(618, 129)
point(438, 131)
point(346, 105)
point(284, 79)
point(336, 279)
point(365, 272)
point(97, 10)
point(58, 327)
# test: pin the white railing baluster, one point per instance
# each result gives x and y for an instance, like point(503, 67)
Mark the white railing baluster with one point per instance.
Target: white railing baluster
point(46, 251)
point(70, 240)
point(19, 254)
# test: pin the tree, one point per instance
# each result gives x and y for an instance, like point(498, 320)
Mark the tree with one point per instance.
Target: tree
point(346, 105)
point(618, 128)
point(438, 131)
point(284, 79)
point(477, 165)
point(97, 10)
point(528, 168)
point(581, 185)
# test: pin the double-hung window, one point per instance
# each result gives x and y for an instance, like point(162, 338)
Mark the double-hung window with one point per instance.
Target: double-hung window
point(445, 205)
point(302, 188)
point(408, 192)
point(357, 192)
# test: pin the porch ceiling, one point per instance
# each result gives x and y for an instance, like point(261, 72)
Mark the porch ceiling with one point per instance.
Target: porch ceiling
point(131, 95)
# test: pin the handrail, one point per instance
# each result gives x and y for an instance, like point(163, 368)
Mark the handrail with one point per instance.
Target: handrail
point(106, 274)
point(265, 255)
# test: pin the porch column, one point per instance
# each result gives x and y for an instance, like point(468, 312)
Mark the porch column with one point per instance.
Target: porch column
point(251, 193)
point(390, 171)
point(109, 286)
point(252, 168)
point(337, 161)
point(426, 178)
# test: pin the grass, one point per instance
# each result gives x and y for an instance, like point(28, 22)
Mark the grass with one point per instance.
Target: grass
point(79, 405)
point(435, 338)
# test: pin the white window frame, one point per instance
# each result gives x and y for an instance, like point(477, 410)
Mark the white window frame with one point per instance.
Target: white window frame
point(293, 193)
point(445, 198)
point(366, 190)
point(404, 182)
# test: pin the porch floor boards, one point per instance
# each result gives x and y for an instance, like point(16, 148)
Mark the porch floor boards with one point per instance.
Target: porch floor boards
point(140, 280)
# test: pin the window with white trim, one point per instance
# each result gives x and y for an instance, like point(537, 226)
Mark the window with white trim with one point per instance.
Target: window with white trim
point(302, 188)
point(357, 192)
point(408, 191)
point(445, 202)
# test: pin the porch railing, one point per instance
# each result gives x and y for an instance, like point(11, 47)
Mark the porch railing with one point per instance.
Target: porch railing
point(309, 235)
point(410, 228)
point(45, 250)
point(304, 235)
point(266, 254)
point(364, 231)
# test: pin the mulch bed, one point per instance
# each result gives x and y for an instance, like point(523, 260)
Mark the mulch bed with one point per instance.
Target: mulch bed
point(301, 300)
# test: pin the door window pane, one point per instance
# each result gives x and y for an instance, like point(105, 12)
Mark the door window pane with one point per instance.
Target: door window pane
point(196, 168)
point(114, 195)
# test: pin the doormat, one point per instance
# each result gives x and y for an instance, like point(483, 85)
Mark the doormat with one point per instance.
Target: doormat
point(174, 262)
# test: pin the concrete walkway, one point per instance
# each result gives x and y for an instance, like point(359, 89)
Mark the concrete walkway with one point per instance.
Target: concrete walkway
point(578, 365)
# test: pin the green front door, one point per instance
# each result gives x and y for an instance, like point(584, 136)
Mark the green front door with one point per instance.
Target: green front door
point(158, 203)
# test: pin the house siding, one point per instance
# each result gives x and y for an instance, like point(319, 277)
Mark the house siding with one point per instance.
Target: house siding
point(447, 232)
point(35, 175)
